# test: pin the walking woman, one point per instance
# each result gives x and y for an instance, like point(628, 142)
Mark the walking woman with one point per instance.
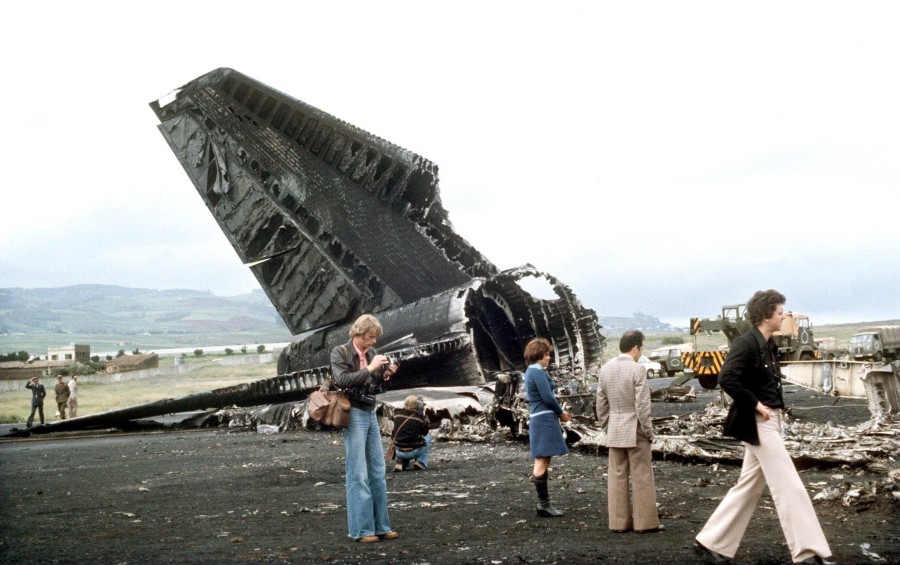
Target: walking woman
point(361, 371)
point(751, 375)
point(544, 434)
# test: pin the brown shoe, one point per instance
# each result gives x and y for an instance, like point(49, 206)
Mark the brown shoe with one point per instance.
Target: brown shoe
point(390, 535)
point(367, 539)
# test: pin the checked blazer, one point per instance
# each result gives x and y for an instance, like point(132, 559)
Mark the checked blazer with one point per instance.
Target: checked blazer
point(623, 401)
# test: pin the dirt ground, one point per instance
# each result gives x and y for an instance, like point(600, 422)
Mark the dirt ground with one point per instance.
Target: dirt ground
point(237, 496)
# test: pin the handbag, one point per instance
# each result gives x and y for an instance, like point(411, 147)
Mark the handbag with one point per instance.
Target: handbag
point(329, 407)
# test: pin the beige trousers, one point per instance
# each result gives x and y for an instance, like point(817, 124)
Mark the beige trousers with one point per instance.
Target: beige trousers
point(637, 509)
point(73, 407)
point(767, 463)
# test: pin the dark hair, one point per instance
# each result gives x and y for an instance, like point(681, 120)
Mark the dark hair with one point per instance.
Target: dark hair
point(763, 304)
point(536, 349)
point(629, 339)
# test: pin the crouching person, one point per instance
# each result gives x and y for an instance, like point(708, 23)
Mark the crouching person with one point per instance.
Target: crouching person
point(411, 438)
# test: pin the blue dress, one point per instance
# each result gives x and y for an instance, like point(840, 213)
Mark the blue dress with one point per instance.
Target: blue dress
point(545, 437)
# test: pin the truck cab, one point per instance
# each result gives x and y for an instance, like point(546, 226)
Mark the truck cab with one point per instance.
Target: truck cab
point(669, 358)
point(865, 346)
point(795, 339)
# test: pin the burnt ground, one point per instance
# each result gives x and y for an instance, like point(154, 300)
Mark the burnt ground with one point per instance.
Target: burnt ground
point(230, 496)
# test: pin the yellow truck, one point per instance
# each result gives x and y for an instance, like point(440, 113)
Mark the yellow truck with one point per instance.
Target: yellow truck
point(795, 342)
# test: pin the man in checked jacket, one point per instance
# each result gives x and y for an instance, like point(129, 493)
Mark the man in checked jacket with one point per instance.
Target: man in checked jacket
point(623, 410)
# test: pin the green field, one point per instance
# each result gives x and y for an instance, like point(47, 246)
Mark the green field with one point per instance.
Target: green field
point(98, 397)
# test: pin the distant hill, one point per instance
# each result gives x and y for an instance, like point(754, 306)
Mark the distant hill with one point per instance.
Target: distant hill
point(107, 316)
point(119, 312)
point(614, 326)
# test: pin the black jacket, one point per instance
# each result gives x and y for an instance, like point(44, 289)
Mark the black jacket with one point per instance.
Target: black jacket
point(38, 392)
point(410, 429)
point(360, 385)
point(749, 375)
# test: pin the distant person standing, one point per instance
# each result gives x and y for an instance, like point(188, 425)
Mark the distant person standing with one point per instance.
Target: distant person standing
point(62, 396)
point(545, 437)
point(37, 400)
point(73, 396)
point(623, 410)
point(751, 375)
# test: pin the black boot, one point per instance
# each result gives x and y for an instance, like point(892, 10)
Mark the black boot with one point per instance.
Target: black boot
point(544, 508)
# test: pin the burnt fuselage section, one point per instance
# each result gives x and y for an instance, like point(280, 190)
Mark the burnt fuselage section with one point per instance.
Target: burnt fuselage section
point(336, 222)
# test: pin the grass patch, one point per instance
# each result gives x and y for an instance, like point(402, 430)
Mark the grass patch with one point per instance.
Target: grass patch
point(99, 397)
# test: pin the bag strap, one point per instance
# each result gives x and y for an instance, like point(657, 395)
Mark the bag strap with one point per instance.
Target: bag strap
point(328, 383)
point(400, 427)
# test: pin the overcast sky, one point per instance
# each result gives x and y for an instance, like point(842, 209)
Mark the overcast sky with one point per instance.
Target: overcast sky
point(657, 157)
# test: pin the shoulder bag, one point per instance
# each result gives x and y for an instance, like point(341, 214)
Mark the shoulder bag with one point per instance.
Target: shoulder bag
point(329, 406)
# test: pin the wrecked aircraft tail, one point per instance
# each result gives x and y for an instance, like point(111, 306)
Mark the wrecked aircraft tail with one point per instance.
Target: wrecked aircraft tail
point(336, 222)
point(333, 221)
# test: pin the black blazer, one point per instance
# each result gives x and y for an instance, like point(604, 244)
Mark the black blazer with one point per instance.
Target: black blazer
point(745, 375)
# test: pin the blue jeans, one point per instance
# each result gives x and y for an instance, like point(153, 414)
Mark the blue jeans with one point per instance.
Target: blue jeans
point(367, 507)
point(420, 454)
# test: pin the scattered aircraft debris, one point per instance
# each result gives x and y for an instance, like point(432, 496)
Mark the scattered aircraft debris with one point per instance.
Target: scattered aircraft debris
point(699, 437)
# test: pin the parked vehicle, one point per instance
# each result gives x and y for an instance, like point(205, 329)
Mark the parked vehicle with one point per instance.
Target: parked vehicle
point(828, 348)
point(669, 358)
point(653, 368)
point(879, 343)
point(795, 342)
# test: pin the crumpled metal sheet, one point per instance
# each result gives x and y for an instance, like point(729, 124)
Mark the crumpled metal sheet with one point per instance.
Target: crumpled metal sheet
point(837, 377)
point(699, 435)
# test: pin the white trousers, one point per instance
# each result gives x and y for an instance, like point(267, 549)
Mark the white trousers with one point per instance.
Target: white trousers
point(767, 463)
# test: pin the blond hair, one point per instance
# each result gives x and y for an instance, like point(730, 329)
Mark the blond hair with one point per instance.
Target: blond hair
point(364, 325)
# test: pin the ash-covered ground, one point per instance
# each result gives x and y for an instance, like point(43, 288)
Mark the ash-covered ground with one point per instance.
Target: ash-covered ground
point(231, 496)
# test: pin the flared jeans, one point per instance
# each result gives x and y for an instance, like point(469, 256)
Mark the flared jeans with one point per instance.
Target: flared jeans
point(367, 506)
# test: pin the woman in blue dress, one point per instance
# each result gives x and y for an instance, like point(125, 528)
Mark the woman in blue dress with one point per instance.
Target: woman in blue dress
point(544, 433)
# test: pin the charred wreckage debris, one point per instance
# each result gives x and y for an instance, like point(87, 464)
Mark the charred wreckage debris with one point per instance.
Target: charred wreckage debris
point(335, 222)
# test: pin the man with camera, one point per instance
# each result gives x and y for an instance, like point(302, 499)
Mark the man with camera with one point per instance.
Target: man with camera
point(410, 438)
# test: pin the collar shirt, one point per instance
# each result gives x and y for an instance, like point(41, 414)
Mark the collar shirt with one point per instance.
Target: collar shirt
point(362, 356)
